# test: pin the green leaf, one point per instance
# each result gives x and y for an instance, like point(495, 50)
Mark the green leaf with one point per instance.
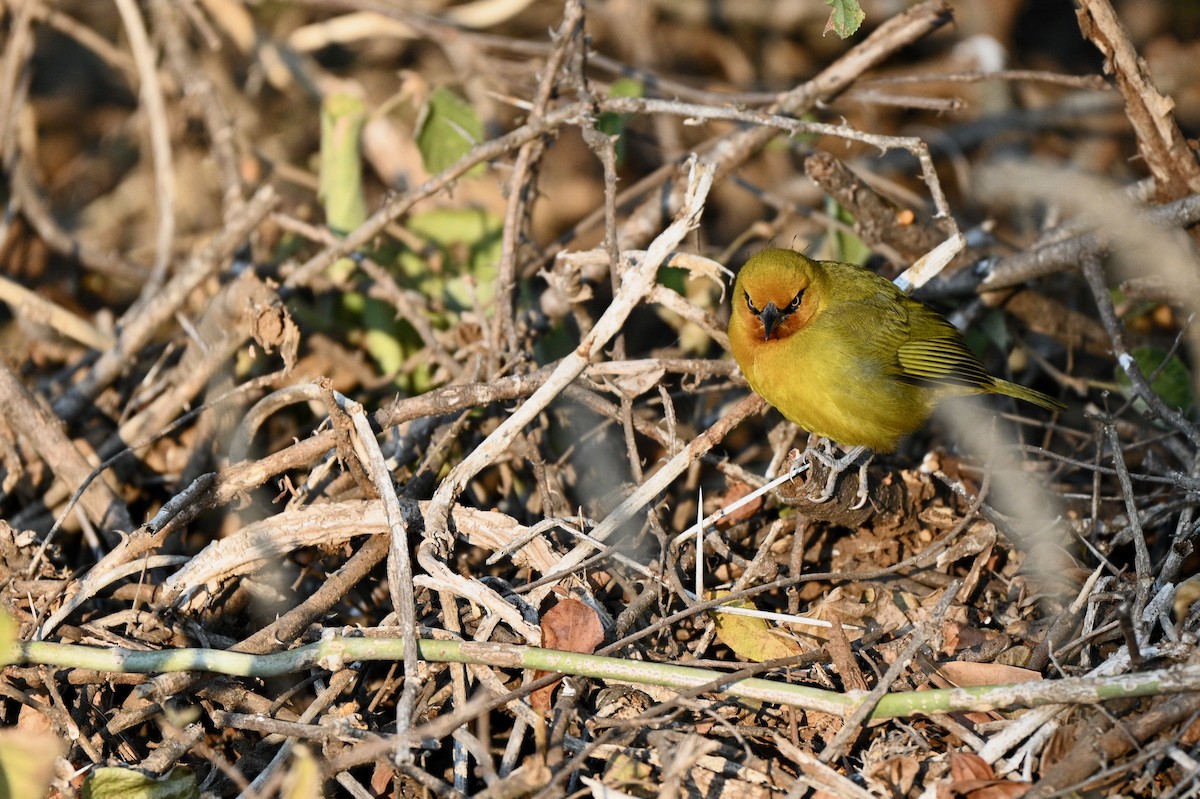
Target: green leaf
point(848, 247)
point(124, 783)
point(27, 762)
point(303, 778)
point(380, 339)
point(845, 18)
point(612, 124)
point(469, 244)
point(1169, 378)
point(752, 638)
point(341, 186)
point(448, 129)
point(674, 278)
point(994, 324)
point(371, 325)
point(555, 343)
point(626, 87)
point(8, 639)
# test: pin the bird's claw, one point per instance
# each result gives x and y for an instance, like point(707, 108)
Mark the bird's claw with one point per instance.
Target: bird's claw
point(863, 494)
point(823, 454)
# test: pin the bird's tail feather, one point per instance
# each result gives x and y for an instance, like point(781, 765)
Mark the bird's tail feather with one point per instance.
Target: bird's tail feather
point(1027, 394)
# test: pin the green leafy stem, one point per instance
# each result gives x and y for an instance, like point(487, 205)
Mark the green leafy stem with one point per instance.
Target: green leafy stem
point(334, 652)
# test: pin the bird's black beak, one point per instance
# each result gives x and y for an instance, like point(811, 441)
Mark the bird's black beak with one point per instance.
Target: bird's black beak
point(770, 316)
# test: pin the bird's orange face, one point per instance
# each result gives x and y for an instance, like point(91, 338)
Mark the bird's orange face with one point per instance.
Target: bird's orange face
point(776, 309)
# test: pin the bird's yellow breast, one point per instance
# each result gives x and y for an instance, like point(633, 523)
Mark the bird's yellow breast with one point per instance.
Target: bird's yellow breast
point(828, 388)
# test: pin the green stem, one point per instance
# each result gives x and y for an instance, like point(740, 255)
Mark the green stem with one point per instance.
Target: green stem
point(333, 653)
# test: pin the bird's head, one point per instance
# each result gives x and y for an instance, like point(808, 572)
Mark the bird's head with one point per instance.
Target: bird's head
point(775, 295)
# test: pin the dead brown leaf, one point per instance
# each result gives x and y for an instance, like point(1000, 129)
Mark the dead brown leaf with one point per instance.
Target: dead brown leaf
point(965, 674)
point(571, 626)
point(972, 778)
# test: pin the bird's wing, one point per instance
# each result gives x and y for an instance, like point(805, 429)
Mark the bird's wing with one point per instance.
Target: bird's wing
point(910, 341)
point(943, 361)
point(935, 353)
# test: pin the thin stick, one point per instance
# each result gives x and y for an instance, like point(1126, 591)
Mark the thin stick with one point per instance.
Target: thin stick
point(399, 570)
point(520, 188)
point(160, 143)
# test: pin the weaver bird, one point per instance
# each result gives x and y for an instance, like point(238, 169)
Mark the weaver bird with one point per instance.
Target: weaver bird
point(845, 354)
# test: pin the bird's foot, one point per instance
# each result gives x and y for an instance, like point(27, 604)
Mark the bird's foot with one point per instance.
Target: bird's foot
point(825, 455)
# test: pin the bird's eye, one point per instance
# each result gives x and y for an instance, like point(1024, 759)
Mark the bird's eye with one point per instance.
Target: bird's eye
point(750, 305)
point(795, 303)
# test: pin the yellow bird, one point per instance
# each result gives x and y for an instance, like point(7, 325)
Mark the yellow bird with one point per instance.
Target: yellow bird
point(845, 354)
